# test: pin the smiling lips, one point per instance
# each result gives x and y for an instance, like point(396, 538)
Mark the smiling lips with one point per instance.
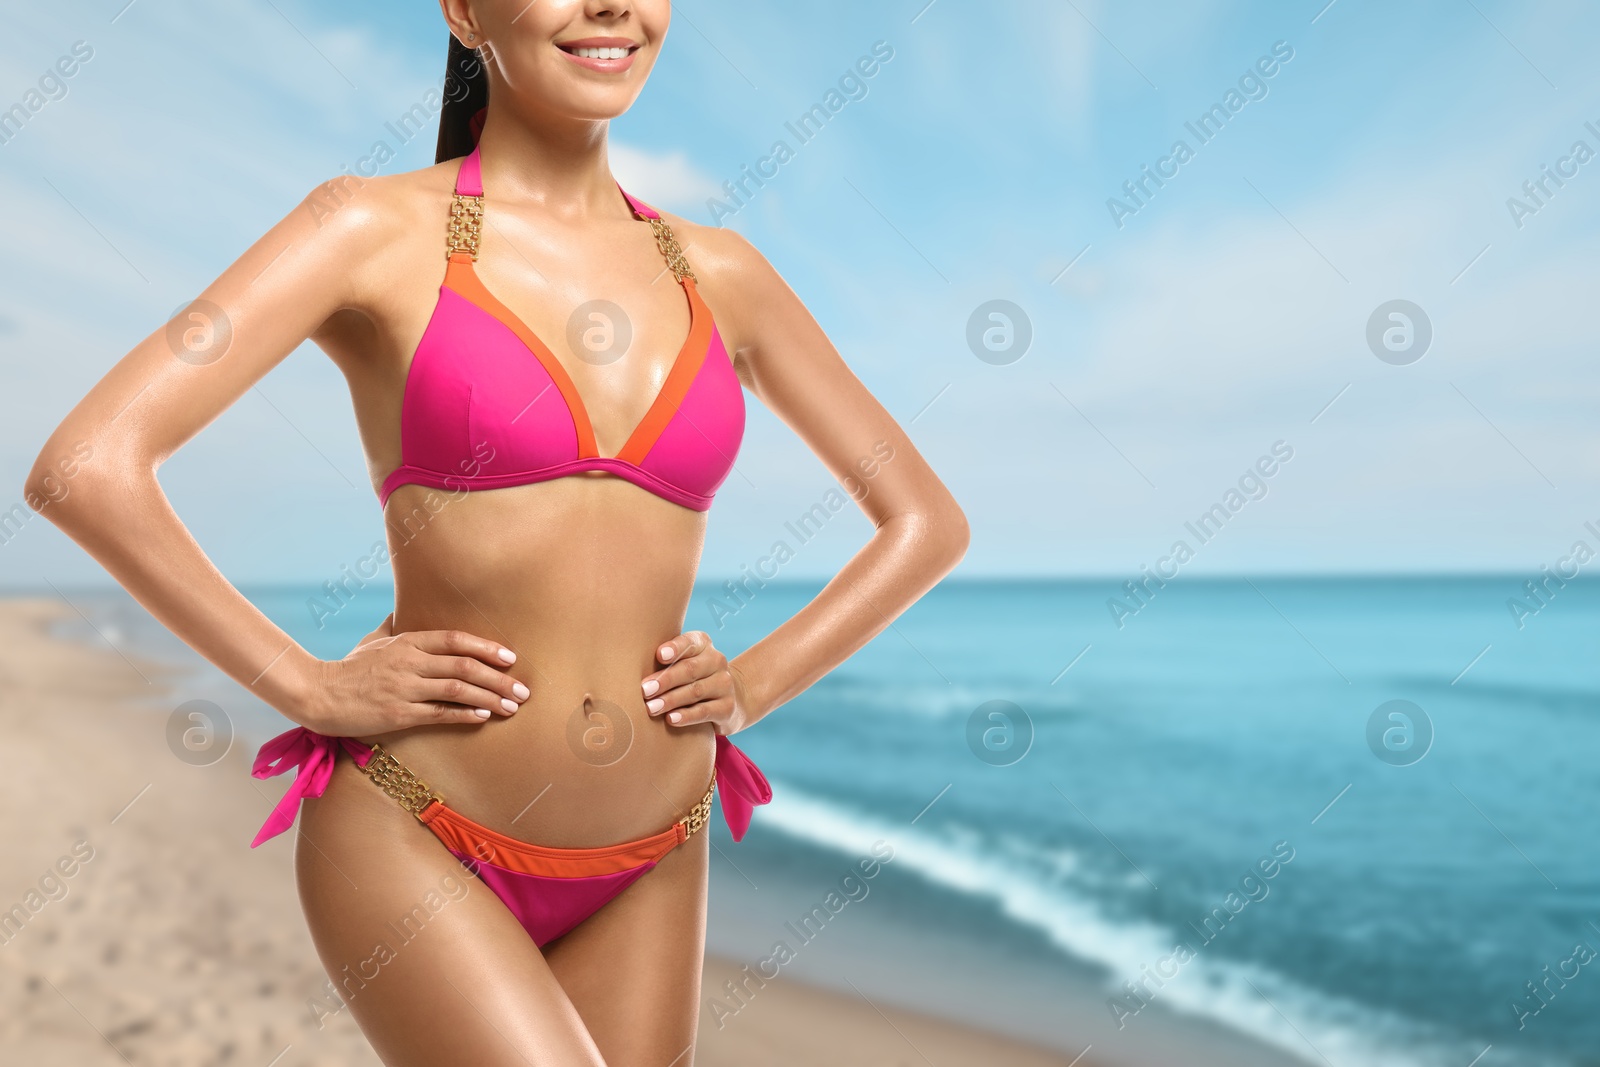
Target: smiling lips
point(609, 55)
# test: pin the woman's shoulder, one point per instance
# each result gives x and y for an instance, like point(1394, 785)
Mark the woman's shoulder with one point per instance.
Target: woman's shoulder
point(743, 289)
point(380, 203)
point(364, 227)
point(722, 258)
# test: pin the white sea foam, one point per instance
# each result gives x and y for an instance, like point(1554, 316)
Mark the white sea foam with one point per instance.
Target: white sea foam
point(1317, 1027)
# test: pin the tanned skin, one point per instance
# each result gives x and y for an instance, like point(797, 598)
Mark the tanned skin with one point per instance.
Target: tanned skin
point(585, 579)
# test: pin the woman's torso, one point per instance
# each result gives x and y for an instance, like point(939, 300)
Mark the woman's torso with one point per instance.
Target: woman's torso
point(583, 576)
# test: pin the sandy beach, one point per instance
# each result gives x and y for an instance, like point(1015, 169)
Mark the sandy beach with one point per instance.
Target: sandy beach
point(143, 930)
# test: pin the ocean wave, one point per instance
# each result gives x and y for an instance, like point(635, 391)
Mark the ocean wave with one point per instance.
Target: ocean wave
point(1250, 998)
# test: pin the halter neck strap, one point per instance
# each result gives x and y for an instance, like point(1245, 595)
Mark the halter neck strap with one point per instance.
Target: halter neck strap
point(469, 178)
point(638, 205)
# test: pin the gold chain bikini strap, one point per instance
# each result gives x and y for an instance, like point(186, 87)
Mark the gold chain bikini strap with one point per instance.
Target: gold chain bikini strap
point(670, 250)
point(466, 225)
point(394, 778)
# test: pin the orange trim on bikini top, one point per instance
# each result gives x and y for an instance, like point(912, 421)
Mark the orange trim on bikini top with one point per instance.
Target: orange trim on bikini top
point(461, 277)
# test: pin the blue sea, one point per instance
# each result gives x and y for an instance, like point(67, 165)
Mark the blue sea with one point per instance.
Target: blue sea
point(1346, 819)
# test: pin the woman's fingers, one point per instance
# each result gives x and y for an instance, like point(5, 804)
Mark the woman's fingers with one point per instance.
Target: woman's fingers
point(696, 677)
point(504, 691)
point(704, 711)
point(462, 668)
point(683, 646)
point(460, 643)
point(394, 681)
point(456, 691)
point(426, 713)
point(692, 690)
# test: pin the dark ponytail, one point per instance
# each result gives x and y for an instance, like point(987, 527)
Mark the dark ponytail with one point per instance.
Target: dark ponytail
point(466, 95)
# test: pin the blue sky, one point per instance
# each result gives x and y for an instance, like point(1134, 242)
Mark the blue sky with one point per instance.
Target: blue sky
point(1168, 354)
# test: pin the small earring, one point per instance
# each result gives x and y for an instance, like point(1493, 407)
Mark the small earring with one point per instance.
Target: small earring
point(472, 37)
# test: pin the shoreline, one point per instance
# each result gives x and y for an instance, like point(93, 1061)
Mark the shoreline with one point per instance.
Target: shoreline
point(151, 928)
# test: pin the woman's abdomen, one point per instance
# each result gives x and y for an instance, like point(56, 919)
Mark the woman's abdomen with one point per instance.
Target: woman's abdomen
point(583, 578)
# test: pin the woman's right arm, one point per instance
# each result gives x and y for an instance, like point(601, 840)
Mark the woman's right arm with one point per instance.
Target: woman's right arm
point(309, 273)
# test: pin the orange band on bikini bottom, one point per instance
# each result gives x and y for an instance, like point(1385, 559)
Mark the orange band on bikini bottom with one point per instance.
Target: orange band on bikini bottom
point(462, 835)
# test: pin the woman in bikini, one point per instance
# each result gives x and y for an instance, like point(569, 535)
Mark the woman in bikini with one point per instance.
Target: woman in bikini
point(548, 402)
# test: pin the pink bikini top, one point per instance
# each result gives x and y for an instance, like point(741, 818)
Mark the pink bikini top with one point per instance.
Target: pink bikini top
point(487, 405)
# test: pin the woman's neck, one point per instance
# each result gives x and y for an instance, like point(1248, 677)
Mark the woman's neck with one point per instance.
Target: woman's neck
point(561, 166)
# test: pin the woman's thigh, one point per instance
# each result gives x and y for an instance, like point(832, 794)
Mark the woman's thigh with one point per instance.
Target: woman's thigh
point(428, 960)
point(633, 968)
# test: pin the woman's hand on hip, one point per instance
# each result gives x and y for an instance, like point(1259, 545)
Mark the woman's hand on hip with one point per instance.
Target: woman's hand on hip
point(394, 681)
point(697, 685)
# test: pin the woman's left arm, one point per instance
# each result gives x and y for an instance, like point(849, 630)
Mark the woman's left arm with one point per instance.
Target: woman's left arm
point(919, 531)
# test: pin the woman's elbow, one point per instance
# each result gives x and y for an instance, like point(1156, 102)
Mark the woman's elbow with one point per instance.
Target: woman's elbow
point(957, 532)
point(61, 472)
point(939, 532)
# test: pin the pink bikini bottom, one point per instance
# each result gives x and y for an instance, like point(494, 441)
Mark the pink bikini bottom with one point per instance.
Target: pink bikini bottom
point(549, 890)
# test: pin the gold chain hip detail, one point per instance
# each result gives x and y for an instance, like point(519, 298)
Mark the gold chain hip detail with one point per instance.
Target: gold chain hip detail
point(700, 812)
point(393, 778)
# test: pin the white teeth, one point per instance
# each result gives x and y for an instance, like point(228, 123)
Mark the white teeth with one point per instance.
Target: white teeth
point(600, 53)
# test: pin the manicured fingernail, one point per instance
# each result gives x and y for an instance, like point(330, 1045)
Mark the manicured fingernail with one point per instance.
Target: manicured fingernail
point(665, 652)
point(482, 713)
point(519, 690)
point(508, 655)
point(509, 705)
point(650, 687)
point(655, 705)
point(674, 717)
